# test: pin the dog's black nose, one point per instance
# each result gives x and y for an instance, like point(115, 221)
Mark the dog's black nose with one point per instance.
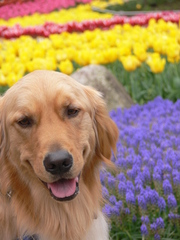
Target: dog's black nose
point(58, 162)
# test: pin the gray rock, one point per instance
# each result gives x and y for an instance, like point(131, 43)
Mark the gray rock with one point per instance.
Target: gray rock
point(100, 78)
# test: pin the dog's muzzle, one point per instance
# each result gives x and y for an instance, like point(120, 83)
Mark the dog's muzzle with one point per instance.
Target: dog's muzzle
point(59, 164)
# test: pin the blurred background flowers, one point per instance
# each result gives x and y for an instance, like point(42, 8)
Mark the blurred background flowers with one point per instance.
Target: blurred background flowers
point(139, 49)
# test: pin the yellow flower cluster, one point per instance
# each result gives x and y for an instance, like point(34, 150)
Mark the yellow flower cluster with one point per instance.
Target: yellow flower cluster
point(128, 44)
point(104, 4)
point(78, 14)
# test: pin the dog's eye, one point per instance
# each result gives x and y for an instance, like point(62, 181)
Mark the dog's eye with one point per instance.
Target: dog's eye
point(72, 112)
point(25, 122)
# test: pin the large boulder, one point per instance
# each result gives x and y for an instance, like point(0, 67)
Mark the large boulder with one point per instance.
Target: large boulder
point(104, 81)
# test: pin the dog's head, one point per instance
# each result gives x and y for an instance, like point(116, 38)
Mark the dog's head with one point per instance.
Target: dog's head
point(52, 128)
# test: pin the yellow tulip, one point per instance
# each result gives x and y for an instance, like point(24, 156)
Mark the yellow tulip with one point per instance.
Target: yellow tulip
point(2, 79)
point(140, 52)
point(66, 67)
point(156, 63)
point(6, 68)
point(19, 68)
point(130, 63)
point(110, 55)
point(50, 63)
point(12, 78)
point(124, 50)
point(39, 52)
point(173, 52)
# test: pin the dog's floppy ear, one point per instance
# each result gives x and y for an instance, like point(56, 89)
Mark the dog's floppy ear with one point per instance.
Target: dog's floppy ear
point(105, 129)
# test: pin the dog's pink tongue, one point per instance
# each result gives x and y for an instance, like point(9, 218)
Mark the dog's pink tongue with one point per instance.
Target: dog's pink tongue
point(63, 188)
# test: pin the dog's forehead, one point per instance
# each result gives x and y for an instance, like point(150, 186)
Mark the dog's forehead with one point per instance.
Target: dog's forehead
point(45, 86)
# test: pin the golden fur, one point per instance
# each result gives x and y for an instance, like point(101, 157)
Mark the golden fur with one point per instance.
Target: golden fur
point(44, 97)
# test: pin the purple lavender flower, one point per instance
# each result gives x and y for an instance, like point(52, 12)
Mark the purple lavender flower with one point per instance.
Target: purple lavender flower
point(103, 176)
point(176, 180)
point(105, 192)
point(119, 205)
point(130, 186)
point(153, 197)
point(160, 222)
point(173, 216)
point(142, 202)
point(157, 236)
point(161, 204)
point(154, 226)
point(146, 176)
point(127, 211)
point(145, 219)
point(121, 177)
point(115, 210)
point(167, 187)
point(111, 180)
point(171, 200)
point(130, 197)
point(151, 164)
point(107, 210)
point(167, 168)
point(167, 176)
point(176, 176)
point(122, 188)
point(157, 177)
point(144, 230)
point(112, 199)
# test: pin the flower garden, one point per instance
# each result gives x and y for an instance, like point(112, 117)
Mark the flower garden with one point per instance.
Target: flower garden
point(143, 52)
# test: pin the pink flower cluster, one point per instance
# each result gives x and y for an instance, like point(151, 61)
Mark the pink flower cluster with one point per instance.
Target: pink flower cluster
point(30, 7)
point(51, 28)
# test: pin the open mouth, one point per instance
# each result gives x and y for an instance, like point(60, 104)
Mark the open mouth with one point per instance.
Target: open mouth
point(64, 189)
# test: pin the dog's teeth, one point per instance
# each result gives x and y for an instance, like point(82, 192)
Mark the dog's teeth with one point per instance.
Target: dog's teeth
point(76, 179)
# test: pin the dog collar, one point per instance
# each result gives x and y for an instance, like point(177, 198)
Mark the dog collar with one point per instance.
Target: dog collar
point(33, 237)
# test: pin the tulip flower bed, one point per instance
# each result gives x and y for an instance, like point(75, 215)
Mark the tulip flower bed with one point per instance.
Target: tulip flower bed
point(144, 58)
point(144, 193)
point(26, 8)
point(50, 27)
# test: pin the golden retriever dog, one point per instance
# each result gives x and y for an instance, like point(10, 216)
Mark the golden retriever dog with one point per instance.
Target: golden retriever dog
point(55, 136)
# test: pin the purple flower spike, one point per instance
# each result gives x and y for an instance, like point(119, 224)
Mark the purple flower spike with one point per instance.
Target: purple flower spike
point(122, 188)
point(144, 230)
point(130, 198)
point(112, 199)
point(142, 202)
point(161, 204)
point(157, 236)
point(173, 216)
point(111, 181)
point(105, 192)
point(121, 177)
point(126, 211)
point(153, 197)
point(172, 203)
point(160, 222)
point(107, 210)
point(153, 226)
point(119, 205)
point(145, 219)
point(167, 187)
